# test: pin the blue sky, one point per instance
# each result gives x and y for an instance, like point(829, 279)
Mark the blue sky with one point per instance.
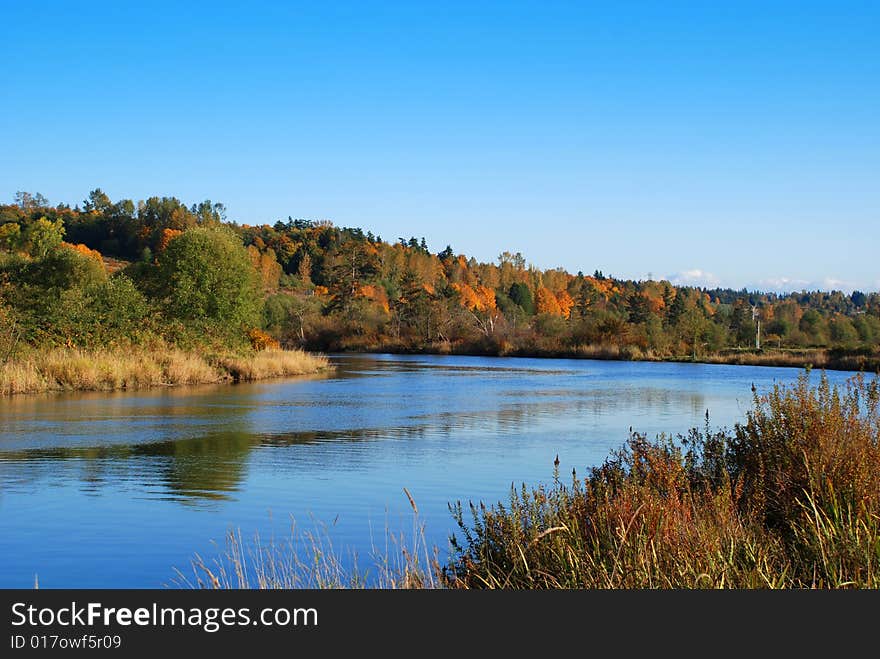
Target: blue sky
point(713, 143)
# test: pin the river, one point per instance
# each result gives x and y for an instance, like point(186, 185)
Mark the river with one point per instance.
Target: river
point(118, 489)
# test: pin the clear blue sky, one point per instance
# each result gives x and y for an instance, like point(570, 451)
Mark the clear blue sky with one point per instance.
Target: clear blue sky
point(714, 142)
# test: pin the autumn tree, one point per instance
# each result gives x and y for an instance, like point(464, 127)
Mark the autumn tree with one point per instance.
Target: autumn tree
point(266, 266)
point(566, 303)
point(304, 270)
point(10, 236)
point(546, 302)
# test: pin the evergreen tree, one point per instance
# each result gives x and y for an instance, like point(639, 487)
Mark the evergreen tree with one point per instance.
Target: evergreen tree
point(676, 309)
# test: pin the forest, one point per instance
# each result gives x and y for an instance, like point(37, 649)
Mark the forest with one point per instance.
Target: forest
point(122, 273)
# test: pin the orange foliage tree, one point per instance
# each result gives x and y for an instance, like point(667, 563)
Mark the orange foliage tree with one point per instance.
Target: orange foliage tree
point(375, 294)
point(475, 298)
point(85, 251)
point(165, 237)
point(566, 302)
point(546, 302)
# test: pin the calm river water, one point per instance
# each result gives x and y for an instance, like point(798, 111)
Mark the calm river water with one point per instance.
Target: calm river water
point(116, 490)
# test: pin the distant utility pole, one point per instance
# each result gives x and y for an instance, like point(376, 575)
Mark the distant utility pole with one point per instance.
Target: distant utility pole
point(757, 319)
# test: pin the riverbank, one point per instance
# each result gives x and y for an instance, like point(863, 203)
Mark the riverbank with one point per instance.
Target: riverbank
point(818, 358)
point(71, 369)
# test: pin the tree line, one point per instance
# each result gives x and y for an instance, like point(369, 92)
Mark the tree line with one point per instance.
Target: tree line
point(115, 273)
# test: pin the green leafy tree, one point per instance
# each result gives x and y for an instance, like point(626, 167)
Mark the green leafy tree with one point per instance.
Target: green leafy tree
point(814, 326)
point(843, 332)
point(28, 201)
point(206, 275)
point(742, 326)
point(51, 295)
point(98, 201)
point(694, 326)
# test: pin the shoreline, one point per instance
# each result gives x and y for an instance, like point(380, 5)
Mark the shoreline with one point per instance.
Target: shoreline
point(819, 358)
point(117, 369)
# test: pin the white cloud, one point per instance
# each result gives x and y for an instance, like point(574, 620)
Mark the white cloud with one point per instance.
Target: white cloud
point(784, 284)
point(695, 277)
point(789, 284)
point(781, 284)
point(832, 284)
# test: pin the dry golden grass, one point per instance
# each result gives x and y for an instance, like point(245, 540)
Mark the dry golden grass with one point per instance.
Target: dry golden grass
point(815, 358)
point(180, 367)
point(20, 378)
point(272, 364)
point(67, 369)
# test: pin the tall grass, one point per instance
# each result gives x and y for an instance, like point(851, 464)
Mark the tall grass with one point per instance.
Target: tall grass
point(272, 363)
point(818, 358)
point(309, 559)
point(790, 498)
point(61, 369)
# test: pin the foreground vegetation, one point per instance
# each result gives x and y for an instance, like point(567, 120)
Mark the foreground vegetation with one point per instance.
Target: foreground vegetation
point(116, 273)
point(788, 499)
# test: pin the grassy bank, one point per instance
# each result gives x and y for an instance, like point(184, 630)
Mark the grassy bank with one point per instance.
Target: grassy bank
point(66, 369)
point(788, 499)
point(817, 358)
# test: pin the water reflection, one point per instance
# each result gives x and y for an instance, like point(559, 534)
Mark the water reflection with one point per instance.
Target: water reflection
point(188, 445)
point(114, 488)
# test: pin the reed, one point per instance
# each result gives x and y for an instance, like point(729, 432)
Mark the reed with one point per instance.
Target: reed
point(66, 369)
point(272, 363)
point(307, 558)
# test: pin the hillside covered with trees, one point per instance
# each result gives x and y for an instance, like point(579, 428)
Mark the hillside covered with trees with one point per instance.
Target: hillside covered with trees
point(125, 273)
